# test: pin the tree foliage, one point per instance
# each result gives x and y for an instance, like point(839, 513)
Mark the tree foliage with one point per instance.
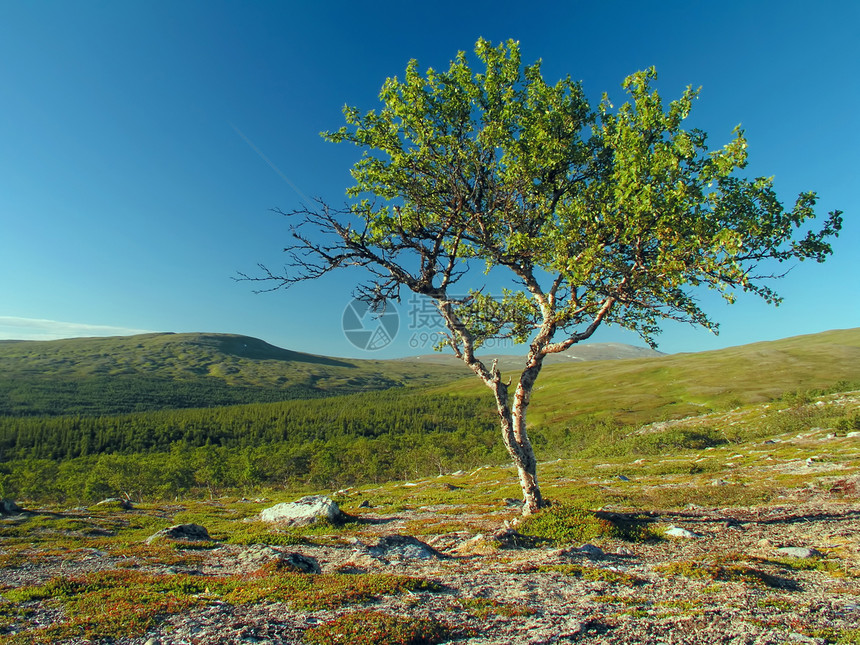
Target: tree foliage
point(606, 215)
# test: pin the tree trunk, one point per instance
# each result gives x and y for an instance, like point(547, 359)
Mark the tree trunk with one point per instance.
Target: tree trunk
point(527, 463)
point(527, 471)
point(520, 449)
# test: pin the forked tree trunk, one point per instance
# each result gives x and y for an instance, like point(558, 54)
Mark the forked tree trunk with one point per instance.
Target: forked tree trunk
point(512, 417)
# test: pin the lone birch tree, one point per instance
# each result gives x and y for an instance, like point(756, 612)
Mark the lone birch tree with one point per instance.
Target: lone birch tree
point(607, 216)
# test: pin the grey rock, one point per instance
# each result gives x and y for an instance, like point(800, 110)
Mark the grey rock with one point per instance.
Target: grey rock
point(623, 478)
point(513, 503)
point(591, 550)
point(403, 547)
point(8, 507)
point(302, 563)
point(588, 550)
point(799, 552)
point(259, 555)
point(677, 531)
point(182, 532)
point(305, 511)
point(118, 501)
point(803, 638)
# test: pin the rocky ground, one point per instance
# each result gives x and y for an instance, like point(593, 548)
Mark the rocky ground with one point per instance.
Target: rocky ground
point(725, 581)
point(751, 542)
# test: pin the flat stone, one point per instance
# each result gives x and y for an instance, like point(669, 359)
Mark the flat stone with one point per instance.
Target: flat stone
point(403, 547)
point(259, 555)
point(677, 531)
point(116, 501)
point(586, 549)
point(799, 552)
point(182, 532)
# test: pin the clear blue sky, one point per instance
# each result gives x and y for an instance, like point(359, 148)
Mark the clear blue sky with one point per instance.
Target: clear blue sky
point(142, 144)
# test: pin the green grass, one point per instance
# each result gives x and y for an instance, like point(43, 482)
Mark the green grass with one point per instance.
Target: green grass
point(484, 607)
point(631, 392)
point(566, 524)
point(594, 574)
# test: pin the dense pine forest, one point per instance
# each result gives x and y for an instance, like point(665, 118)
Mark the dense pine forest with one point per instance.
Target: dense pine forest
point(333, 442)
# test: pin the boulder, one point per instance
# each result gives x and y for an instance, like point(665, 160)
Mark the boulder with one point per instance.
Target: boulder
point(305, 511)
point(261, 557)
point(480, 544)
point(677, 531)
point(403, 547)
point(8, 507)
point(589, 550)
point(799, 552)
point(181, 532)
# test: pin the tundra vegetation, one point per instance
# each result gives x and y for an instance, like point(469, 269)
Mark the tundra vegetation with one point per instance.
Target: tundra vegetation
point(88, 572)
point(580, 216)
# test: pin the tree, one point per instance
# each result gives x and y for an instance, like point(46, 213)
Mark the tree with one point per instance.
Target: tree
point(606, 216)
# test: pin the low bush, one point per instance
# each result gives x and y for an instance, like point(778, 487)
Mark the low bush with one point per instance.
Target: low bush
point(567, 524)
point(377, 628)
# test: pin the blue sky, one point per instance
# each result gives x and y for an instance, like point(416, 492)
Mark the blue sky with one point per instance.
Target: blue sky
point(142, 145)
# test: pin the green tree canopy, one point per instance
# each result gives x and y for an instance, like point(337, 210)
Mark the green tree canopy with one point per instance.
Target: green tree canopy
point(606, 215)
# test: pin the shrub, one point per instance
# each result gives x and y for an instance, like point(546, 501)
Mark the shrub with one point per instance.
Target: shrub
point(565, 524)
point(377, 628)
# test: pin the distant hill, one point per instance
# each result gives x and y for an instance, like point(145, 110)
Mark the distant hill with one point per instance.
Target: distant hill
point(95, 376)
point(155, 371)
point(576, 354)
point(641, 390)
point(576, 406)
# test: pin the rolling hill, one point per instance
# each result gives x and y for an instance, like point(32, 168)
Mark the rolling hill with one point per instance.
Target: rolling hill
point(157, 371)
point(166, 370)
point(171, 371)
point(588, 408)
point(642, 390)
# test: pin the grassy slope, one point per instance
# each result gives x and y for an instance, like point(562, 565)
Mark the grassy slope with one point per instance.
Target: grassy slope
point(154, 371)
point(214, 367)
point(648, 389)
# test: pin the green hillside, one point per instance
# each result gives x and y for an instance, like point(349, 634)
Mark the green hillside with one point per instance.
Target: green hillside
point(586, 410)
point(643, 390)
point(157, 371)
